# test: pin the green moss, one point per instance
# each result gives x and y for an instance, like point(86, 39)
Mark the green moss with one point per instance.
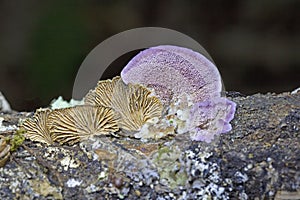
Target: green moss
point(17, 139)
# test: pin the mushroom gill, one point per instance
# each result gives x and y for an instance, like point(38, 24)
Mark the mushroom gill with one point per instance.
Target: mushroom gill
point(37, 128)
point(71, 125)
point(132, 103)
point(102, 94)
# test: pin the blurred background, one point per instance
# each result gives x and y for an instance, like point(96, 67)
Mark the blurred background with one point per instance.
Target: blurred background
point(255, 44)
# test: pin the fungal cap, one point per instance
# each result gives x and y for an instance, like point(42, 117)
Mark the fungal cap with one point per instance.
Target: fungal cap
point(71, 125)
point(37, 128)
point(172, 70)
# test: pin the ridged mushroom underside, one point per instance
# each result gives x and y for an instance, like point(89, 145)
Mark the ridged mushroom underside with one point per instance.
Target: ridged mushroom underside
point(102, 94)
point(132, 103)
point(37, 128)
point(71, 125)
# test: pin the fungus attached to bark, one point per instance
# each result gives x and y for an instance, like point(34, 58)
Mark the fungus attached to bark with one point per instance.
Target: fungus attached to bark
point(181, 82)
point(70, 125)
point(133, 104)
point(172, 70)
point(102, 94)
point(211, 117)
point(37, 127)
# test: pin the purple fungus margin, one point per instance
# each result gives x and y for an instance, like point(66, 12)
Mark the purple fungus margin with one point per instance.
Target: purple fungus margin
point(171, 71)
point(210, 118)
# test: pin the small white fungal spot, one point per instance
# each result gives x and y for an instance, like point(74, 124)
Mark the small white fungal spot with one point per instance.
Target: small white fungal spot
point(73, 183)
point(102, 175)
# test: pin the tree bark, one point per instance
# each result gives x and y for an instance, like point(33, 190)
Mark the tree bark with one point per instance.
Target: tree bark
point(259, 158)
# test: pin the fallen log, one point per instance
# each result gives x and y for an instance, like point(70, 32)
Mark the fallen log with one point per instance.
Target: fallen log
point(258, 158)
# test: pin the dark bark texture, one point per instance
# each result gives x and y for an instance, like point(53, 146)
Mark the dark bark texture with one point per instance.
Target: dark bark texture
point(259, 158)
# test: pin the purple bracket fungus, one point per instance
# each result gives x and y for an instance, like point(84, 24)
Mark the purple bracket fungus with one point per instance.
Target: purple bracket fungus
point(210, 118)
point(172, 70)
point(176, 72)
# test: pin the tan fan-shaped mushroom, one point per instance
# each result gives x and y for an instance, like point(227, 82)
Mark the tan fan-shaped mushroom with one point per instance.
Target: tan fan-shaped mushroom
point(134, 105)
point(102, 94)
point(37, 127)
point(70, 125)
